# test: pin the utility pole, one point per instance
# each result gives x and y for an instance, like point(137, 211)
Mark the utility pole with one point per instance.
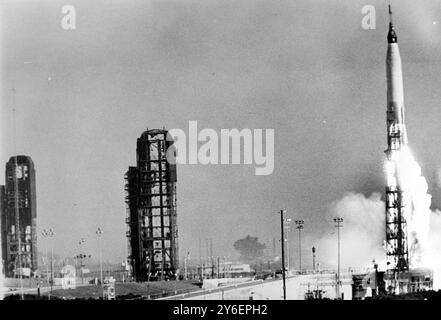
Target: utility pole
point(224, 267)
point(282, 242)
point(313, 259)
point(287, 226)
point(200, 252)
point(80, 258)
point(45, 234)
point(185, 267)
point(51, 233)
point(207, 247)
point(300, 224)
point(211, 258)
point(99, 232)
point(338, 225)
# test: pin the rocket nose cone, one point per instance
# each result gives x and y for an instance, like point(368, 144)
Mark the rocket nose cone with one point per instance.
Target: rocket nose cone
point(391, 36)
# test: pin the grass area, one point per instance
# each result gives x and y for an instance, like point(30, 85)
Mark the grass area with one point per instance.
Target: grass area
point(25, 282)
point(131, 290)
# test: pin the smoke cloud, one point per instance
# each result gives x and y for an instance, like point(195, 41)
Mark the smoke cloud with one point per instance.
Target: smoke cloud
point(362, 234)
point(434, 256)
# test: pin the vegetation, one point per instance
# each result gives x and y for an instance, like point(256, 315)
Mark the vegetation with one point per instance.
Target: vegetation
point(250, 249)
point(129, 290)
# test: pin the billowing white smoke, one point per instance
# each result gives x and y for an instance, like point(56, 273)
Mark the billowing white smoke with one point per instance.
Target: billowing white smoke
point(362, 234)
point(363, 231)
point(434, 255)
point(423, 224)
point(417, 208)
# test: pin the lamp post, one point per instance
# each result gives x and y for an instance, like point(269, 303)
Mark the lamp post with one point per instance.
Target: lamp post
point(99, 232)
point(224, 267)
point(300, 224)
point(186, 259)
point(45, 234)
point(338, 225)
point(282, 243)
point(80, 258)
point(50, 234)
point(287, 228)
point(313, 259)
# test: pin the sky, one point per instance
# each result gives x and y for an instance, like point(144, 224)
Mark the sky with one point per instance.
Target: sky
point(306, 69)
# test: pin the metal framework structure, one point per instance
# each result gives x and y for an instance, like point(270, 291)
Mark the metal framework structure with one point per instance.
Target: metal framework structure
point(396, 226)
point(18, 218)
point(151, 210)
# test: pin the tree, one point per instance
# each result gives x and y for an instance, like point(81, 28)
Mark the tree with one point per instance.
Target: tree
point(250, 249)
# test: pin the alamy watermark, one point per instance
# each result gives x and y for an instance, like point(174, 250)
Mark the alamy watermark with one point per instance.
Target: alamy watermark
point(369, 19)
point(231, 147)
point(68, 21)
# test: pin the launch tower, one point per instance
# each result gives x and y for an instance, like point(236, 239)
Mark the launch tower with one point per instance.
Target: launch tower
point(19, 218)
point(151, 200)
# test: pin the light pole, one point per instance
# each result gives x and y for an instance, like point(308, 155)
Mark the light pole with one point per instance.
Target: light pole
point(224, 267)
point(282, 243)
point(51, 233)
point(45, 234)
point(99, 232)
point(313, 259)
point(300, 224)
point(338, 225)
point(287, 226)
point(80, 258)
point(187, 257)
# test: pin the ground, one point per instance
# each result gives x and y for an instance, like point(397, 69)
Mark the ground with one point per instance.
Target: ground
point(130, 290)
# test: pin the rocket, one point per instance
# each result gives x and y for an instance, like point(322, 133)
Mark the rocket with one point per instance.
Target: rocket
point(396, 205)
point(395, 96)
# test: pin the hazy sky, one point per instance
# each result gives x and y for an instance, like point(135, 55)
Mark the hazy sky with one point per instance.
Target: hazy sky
point(304, 68)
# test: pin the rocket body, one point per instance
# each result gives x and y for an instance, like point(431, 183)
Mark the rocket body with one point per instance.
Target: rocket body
point(395, 92)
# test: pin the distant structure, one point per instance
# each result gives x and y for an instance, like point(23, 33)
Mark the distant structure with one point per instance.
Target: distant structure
point(19, 217)
point(151, 209)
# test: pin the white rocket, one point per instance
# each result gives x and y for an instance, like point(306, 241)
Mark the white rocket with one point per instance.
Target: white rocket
point(395, 96)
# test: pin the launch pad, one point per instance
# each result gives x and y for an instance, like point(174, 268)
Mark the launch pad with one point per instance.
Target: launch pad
point(411, 281)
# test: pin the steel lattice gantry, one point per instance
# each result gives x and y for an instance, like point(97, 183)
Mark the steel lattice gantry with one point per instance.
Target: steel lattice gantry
point(151, 198)
point(19, 218)
point(396, 224)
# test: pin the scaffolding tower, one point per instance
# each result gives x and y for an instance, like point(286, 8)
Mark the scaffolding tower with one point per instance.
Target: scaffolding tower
point(151, 209)
point(397, 252)
point(19, 218)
